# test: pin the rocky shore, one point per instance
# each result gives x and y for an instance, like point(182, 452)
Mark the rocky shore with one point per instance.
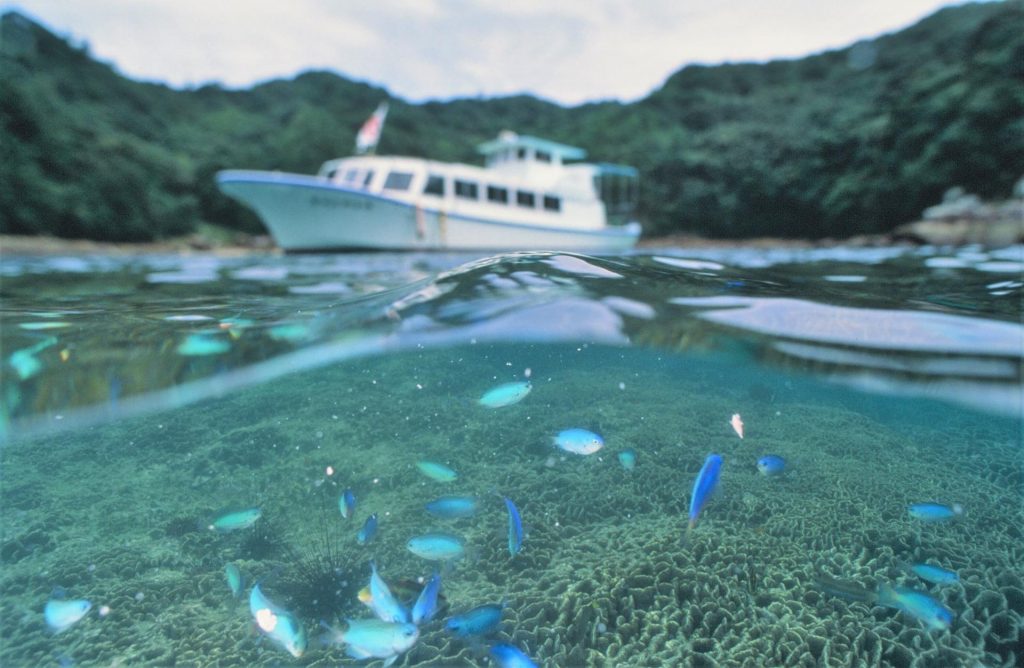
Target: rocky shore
point(961, 219)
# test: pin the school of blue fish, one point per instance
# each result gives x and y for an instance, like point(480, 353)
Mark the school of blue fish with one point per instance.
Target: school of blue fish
point(396, 627)
point(915, 603)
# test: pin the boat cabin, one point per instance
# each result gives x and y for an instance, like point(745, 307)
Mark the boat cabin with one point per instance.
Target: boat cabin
point(519, 153)
point(526, 180)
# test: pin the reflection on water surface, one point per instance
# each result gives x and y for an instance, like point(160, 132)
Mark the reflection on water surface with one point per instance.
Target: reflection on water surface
point(89, 337)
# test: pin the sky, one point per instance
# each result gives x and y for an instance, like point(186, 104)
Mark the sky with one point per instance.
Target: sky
point(566, 51)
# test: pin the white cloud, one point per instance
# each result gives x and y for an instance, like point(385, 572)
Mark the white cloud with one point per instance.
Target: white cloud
point(571, 51)
point(194, 41)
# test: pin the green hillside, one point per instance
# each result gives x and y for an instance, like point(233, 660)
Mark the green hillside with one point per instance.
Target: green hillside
point(846, 142)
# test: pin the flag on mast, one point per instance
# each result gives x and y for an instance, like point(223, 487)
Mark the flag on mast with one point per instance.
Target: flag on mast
point(369, 134)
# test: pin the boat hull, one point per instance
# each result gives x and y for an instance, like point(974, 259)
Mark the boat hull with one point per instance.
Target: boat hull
point(306, 213)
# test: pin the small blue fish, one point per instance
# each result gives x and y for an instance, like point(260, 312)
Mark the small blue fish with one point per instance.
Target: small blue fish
point(61, 614)
point(426, 603)
point(771, 466)
point(347, 503)
point(374, 639)
point(437, 546)
point(515, 527)
point(450, 507)
point(236, 581)
point(703, 486)
point(382, 601)
point(917, 604)
point(508, 656)
point(578, 441)
point(368, 531)
point(241, 519)
point(279, 625)
point(436, 472)
point(849, 590)
point(505, 395)
point(25, 362)
point(935, 574)
point(289, 332)
point(627, 458)
point(934, 512)
point(479, 621)
point(202, 344)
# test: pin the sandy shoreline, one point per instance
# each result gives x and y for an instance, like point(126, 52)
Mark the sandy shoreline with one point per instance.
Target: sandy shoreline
point(44, 245)
point(40, 245)
point(991, 234)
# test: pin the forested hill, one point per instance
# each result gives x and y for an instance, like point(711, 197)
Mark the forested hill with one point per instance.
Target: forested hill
point(846, 142)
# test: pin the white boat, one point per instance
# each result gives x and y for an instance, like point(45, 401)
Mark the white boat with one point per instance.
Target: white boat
point(527, 197)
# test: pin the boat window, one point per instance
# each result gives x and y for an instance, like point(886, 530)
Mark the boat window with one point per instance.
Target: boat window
point(552, 203)
point(465, 189)
point(496, 194)
point(521, 154)
point(398, 181)
point(524, 198)
point(351, 175)
point(369, 177)
point(435, 185)
point(543, 156)
point(330, 174)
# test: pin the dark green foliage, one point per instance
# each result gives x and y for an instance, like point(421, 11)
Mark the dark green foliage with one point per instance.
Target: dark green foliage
point(850, 141)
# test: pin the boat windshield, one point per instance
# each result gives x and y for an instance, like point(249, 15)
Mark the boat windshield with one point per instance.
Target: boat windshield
point(618, 188)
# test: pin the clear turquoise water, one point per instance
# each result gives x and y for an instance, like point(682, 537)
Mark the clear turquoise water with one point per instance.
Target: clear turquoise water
point(142, 397)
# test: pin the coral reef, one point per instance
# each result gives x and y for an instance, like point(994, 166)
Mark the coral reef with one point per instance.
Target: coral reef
point(603, 578)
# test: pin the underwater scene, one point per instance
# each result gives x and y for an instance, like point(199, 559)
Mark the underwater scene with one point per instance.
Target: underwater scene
point(705, 457)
